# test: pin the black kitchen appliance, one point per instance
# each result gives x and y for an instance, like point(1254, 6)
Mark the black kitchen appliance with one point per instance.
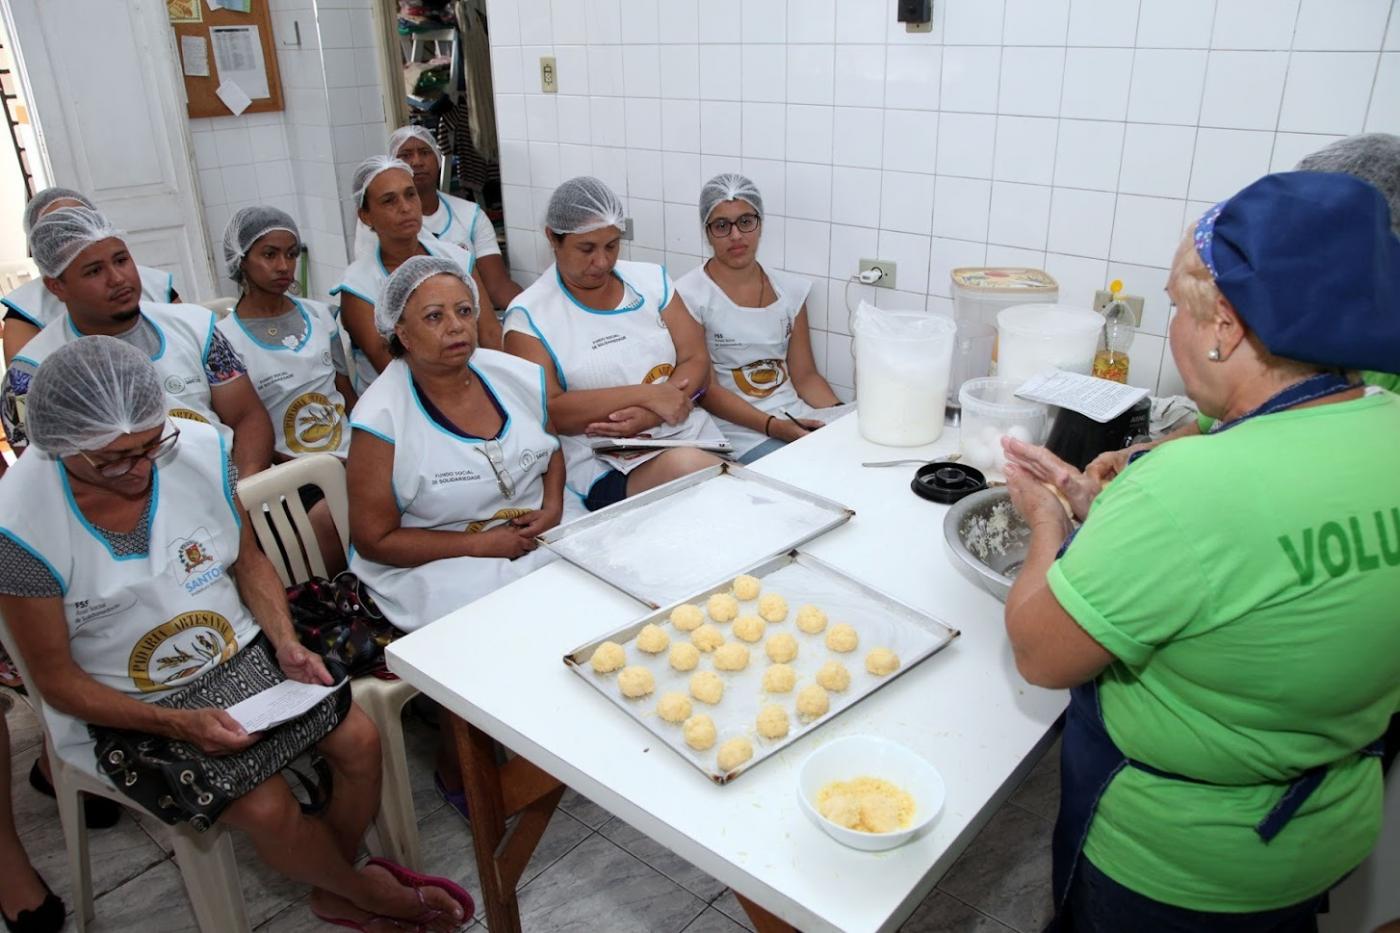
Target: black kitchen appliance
point(1078, 439)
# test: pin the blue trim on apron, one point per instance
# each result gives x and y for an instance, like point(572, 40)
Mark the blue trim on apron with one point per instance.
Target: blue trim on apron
point(1090, 759)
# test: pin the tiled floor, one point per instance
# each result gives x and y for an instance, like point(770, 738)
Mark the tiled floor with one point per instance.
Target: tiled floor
point(590, 872)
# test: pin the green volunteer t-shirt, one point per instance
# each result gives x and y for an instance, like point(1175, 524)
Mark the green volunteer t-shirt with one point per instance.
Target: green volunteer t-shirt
point(1388, 381)
point(1247, 584)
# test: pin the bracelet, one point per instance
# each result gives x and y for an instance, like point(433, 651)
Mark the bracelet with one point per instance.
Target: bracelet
point(768, 424)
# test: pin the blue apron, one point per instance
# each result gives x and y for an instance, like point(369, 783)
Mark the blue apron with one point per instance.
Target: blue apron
point(1090, 759)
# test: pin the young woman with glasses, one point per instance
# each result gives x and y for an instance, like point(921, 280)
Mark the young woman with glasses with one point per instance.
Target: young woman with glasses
point(766, 380)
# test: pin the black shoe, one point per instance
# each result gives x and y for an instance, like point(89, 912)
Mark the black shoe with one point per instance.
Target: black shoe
point(46, 918)
point(98, 812)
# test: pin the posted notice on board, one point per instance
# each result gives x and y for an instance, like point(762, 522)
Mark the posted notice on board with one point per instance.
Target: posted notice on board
point(239, 57)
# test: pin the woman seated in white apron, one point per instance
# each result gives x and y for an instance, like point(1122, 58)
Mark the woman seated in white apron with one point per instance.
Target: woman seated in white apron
point(136, 594)
point(454, 466)
point(292, 349)
point(621, 354)
point(446, 216)
point(755, 320)
point(29, 308)
point(388, 204)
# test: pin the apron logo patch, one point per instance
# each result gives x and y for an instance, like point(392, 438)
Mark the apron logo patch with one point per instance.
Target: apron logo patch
point(658, 373)
point(180, 649)
point(188, 414)
point(312, 423)
point(174, 385)
point(198, 563)
point(760, 378)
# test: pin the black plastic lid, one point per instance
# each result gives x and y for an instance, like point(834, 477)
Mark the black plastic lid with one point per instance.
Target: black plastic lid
point(946, 483)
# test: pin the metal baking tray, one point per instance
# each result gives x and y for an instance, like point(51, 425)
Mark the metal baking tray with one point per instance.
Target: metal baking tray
point(668, 542)
point(879, 620)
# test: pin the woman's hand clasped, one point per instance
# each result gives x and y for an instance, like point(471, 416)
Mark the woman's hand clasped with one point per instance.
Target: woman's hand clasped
point(539, 521)
point(1029, 466)
point(632, 421)
point(508, 541)
point(670, 401)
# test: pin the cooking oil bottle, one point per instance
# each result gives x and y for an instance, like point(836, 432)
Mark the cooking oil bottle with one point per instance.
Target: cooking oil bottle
point(1111, 362)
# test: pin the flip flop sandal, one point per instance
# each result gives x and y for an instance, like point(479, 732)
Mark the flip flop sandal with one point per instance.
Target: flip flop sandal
point(417, 925)
point(415, 880)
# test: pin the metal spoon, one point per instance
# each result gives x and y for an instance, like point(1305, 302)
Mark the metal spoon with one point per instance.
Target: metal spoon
point(951, 458)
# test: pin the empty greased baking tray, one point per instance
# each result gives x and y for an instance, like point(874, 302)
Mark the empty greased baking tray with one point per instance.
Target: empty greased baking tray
point(668, 542)
point(879, 620)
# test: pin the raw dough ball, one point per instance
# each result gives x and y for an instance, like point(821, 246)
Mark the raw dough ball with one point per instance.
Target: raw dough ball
point(635, 681)
point(687, 618)
point(779, 678)
point(608, 657)
point(842, 638)
point(731, 657)
point(674, 707)
point(772, 721)
point(684, 656)
point(722, 607)
point(811, 619)
point(706, 686)
point(734, 753)
point(881, 661)
point(781, 648)
point(834, 676)
point(746, 587)
point(749, 628)
point(772, 607)
point(707, 637)
point(653, 639)
point(699, 732)
point(812, 702)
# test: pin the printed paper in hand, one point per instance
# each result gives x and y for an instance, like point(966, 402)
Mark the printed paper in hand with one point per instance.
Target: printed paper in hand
point(238, 56)
point(276, 705)
point(234, 97)
point(1099, 399)
point(194, 52)
point(828, 415)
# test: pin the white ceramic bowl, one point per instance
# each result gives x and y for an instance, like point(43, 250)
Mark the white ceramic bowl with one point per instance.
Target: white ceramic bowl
point(868, 756)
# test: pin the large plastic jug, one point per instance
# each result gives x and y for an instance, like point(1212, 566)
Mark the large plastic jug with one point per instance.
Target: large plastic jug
point(903, 360)
point(1034, 338)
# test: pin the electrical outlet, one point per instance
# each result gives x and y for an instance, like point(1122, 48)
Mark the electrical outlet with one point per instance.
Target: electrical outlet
point(549, 75)
point(627, 228)
point(1103, 298)
point(885, 268)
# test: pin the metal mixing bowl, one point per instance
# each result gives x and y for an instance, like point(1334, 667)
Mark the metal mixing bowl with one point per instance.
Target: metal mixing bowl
point(987, 539)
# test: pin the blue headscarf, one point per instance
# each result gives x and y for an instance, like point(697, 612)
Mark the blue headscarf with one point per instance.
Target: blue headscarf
point(1310, 264)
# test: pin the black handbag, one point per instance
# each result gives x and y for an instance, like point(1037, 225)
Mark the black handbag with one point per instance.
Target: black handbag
point(338, 620)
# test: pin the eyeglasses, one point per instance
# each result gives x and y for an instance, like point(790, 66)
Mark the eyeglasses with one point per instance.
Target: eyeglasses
point(112, 469)
point(491, 450)
point(719, 229)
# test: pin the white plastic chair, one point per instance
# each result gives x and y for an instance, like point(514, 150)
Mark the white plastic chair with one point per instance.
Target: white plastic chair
point(206, 859)
point(222, 307)
point(280, 520)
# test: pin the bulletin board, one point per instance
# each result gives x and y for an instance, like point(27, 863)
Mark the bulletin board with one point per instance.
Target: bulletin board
point(202, 101)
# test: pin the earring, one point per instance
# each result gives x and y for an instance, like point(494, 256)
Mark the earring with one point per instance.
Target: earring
point(1214, 355)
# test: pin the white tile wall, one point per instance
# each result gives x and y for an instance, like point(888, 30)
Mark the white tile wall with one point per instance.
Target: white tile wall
point(1081, 135)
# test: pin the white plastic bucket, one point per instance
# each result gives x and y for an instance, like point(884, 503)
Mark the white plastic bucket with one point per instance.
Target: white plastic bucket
point(903, 359)
point(1034, 338)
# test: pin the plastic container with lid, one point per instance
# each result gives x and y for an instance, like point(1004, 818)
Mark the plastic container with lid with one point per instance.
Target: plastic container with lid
point(902, 362)
point(979, 294)
point(1034, 338)
point(990, 412)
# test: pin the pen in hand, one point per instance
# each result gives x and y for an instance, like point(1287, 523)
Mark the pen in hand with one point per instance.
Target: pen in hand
point(789, 417)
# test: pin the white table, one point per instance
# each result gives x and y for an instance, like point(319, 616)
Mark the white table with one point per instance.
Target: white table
point(497, 664)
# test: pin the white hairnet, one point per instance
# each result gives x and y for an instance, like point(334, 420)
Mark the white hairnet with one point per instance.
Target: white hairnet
point(246, 227)
point(42, 199)
point(393, 298)
point(90, 392)
point(582, 205)
point(61, 235)
point(368, 170)
point(404, 133)
point(729, 186)
point(1371, 157)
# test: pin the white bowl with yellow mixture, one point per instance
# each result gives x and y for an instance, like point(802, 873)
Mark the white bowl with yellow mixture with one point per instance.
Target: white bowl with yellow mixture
point(869, 793)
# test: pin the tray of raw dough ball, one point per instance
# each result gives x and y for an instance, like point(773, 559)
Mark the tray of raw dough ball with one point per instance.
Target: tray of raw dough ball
point(738, 671)
point(670, 541)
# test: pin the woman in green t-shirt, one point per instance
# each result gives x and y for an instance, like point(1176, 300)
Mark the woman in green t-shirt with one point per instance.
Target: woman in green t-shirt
point(1226, 614)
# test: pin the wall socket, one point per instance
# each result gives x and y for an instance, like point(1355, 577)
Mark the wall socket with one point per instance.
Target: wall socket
point(1103, 298)
point(549, 75)
point(886, 269)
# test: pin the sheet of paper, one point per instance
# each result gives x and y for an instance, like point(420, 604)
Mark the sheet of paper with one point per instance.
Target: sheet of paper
point(1099, 399)
point(828, 415)
point(194, 52)
point(234, 97)
point(214, 5)
point(238, 56)
point(279, 704)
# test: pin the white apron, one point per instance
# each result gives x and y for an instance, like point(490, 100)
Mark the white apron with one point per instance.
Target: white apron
point(37, 305)
point(749, 346)
point(602, 350)
point(185, 332)
point(297, 382)
point(445, 482)
point(460, 222)
point(142, 624)
point(365, 277)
